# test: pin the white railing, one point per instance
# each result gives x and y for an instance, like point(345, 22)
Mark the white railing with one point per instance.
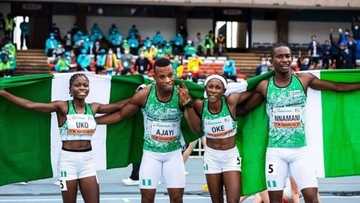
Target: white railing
point(198, 149)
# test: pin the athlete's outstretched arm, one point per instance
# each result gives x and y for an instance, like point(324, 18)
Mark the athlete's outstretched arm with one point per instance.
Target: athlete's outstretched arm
point(109, 108)
point(318, 84)
point(257, 97)
point(238, 98)
point(25, 103)
point(129, 108)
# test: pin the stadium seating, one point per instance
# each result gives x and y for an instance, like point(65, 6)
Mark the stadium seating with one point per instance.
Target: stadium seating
point(34, 61)
point(31, 61)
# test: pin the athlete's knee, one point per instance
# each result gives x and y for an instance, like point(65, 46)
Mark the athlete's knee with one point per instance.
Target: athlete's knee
point(147, 196)
point(232, 199)
point(176, 195)
point(216, 199)
point(275, 196)
point(311, 199)
point(176, 198)
point(310, 195)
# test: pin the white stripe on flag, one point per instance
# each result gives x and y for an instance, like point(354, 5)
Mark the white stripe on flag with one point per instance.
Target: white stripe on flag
point(313, 128)
point(99, 92)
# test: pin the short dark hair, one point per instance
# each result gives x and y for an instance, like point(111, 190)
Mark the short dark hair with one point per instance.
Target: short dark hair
point(161, 62)
point(277, 45)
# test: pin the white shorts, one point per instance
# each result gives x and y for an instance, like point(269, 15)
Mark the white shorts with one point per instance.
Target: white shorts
point(76, 165)
point(170, 165)
point(284, 162)
point(219, 161)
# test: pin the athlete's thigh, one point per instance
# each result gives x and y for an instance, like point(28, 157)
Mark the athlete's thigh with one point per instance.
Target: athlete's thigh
point(230, 161)
point(150, 171)
point(215, 185)
point(69, 190)
point(276, 169)
point(174, 170)
point(303, 171)
point(89, 189)
point(212, 161)
point(232, 185)
point(68, 166)
point(86, 166)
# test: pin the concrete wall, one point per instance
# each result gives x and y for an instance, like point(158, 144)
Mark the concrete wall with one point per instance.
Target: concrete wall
point(199, 25)
point(5, 8)
point(64, 22)
point(300, 32)
point(264, 31)
point(146, 26)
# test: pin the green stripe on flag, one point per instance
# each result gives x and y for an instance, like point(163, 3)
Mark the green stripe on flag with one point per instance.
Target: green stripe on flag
point(252, 141)
point(341, 126)
point(124, 139)
point(25, 153)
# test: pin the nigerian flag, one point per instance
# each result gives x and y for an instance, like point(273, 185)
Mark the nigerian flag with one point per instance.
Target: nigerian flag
point(31, 142)
point(332, 132)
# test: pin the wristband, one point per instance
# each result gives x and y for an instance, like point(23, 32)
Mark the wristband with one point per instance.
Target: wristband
point(188, 103)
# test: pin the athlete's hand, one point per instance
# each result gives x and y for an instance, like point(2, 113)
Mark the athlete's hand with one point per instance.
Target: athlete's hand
point(2, 92)
point(184, 94)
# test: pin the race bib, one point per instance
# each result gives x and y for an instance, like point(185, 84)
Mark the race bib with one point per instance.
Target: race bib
point(287, 117)
point(164, 131)
point(219, 128)
point(81, 124)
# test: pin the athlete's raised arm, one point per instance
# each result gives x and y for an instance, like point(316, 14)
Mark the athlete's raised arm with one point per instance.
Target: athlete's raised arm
point(28, 104)
point(190, 114)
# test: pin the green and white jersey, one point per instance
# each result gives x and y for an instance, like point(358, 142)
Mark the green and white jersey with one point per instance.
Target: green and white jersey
point(218, 125)
point(78, 126)
point(162, 122)
point(285, 107)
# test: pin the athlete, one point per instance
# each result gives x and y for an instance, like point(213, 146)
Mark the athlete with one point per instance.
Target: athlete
point(77, 125)
point(163, 104)
point(218, 124)
point(285, 96)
